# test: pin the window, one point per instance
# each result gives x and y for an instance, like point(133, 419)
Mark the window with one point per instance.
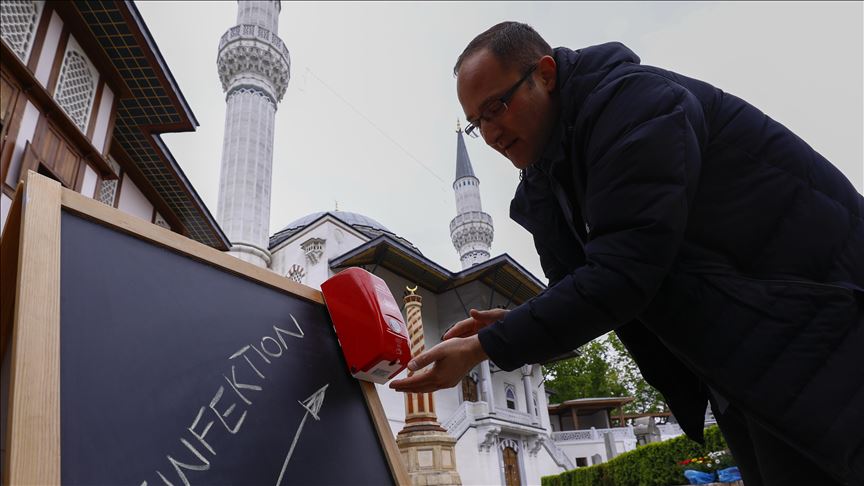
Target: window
point(76, 87)
point(510, 396)
point(108, 188)
point(160, 221)
point(469, 389)
point(581, 462)
point(18, 22)
point(536, 408)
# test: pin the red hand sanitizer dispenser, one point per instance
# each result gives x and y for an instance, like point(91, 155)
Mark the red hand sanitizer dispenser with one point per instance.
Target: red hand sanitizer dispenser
point(368, 324)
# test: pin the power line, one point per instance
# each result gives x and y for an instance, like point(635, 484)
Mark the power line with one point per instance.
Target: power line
point(377, 128)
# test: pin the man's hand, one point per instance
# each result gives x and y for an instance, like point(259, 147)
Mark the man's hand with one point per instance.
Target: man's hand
point(450, 359)
point(478, 320)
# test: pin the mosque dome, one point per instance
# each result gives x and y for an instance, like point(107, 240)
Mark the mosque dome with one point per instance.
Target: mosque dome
point(364, 224)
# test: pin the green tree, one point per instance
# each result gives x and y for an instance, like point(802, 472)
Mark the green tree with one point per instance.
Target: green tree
point(647, 398)
point(590, 374)
point(603, 369)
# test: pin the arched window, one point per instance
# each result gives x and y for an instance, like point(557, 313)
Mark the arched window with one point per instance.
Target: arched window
point(76, 87)
point(510, 396)
point(18, 22)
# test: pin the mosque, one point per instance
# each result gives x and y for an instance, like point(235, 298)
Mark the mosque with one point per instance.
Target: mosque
point(499, 419)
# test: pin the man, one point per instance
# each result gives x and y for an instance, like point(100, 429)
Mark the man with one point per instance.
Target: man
point(725, 252)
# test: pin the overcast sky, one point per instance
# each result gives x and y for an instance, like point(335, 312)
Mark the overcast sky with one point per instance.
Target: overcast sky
point(370, 114)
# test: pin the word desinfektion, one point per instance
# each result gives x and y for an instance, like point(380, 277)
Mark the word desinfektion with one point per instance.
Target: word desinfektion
point(229, 406)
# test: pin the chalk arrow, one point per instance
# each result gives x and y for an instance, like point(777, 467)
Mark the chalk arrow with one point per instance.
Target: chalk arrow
point(312, 406)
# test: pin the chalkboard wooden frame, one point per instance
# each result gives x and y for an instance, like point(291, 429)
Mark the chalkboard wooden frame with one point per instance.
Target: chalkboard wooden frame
point(31, 246)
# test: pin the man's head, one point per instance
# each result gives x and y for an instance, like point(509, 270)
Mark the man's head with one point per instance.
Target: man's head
point(509, 63)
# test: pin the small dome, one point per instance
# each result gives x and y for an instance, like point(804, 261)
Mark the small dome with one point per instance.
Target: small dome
point(364, 224)
point(344, 216)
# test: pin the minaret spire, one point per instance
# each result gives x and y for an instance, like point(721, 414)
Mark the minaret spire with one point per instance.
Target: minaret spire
point(254, 67)
point(471, 230)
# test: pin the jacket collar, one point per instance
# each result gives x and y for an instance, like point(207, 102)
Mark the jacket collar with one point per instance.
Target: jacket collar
point(578, 73)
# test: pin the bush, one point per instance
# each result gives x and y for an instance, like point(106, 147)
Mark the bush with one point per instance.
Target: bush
point(653, 464)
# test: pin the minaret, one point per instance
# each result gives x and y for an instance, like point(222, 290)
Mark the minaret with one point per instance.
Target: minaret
point(254, 67)
point(428, 450)
point(471, 230)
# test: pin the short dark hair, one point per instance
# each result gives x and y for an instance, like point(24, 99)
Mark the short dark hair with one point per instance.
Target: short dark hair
point(514, 44)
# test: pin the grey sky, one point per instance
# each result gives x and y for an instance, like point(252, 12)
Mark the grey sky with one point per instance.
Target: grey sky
point(369, 117)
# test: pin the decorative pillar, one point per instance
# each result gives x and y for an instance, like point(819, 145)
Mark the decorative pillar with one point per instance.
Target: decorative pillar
point(428, 451)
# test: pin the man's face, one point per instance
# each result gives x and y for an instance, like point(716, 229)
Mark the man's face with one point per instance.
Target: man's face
point(521, 132)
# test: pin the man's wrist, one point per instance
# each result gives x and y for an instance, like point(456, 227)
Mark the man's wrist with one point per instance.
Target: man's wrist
point(477, 350)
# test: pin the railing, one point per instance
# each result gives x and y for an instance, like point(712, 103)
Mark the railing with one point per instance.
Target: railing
point(469, 412)
point(470, 217)
point(619, 433)
point(514, 416)
point(459, 422)
point(558, 455)
point(573, 435)
point(254, 32)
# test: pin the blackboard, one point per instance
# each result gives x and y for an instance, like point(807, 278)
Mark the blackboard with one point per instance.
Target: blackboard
point(176, 370)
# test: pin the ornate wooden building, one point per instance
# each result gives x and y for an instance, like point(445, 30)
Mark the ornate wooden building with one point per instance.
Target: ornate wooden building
point(84, 96)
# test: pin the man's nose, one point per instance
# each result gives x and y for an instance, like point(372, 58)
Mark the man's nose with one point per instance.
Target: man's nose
point(491, 133)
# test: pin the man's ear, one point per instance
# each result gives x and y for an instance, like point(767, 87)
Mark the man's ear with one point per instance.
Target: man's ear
point(548, 70)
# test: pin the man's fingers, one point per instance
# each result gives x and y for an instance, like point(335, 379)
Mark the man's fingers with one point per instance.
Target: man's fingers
point(415, 383)
point(423, 359)
point(478, 320)
point(462, 328)
point(488, 316)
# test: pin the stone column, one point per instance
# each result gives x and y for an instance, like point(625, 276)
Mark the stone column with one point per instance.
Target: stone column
point(428, 451)
point(486, 377)
point(529, 396)
point(254, 68)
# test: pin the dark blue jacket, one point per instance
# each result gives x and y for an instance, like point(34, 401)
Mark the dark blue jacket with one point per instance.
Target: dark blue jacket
point(722, 249)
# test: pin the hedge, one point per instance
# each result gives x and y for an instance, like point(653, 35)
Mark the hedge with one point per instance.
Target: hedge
point(653, 464)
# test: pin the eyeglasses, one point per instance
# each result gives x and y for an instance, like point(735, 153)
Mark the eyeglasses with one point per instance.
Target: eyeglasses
point(496, 107)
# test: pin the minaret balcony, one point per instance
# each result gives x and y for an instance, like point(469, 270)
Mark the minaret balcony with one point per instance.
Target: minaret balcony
point(256, 32)
point(252, 56)
point(471, 217)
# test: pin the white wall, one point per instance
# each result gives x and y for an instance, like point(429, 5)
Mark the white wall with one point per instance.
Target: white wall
point(587, 448)
point(25, 134)
point(476, 467)
point(133, 201)
point(49, 49)
point(88, 186)
point(5, 204)
point(542, 465)
point(103, 116)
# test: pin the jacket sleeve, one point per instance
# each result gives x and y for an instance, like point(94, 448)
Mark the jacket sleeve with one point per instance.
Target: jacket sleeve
point(552, 267)
point(642, 162)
